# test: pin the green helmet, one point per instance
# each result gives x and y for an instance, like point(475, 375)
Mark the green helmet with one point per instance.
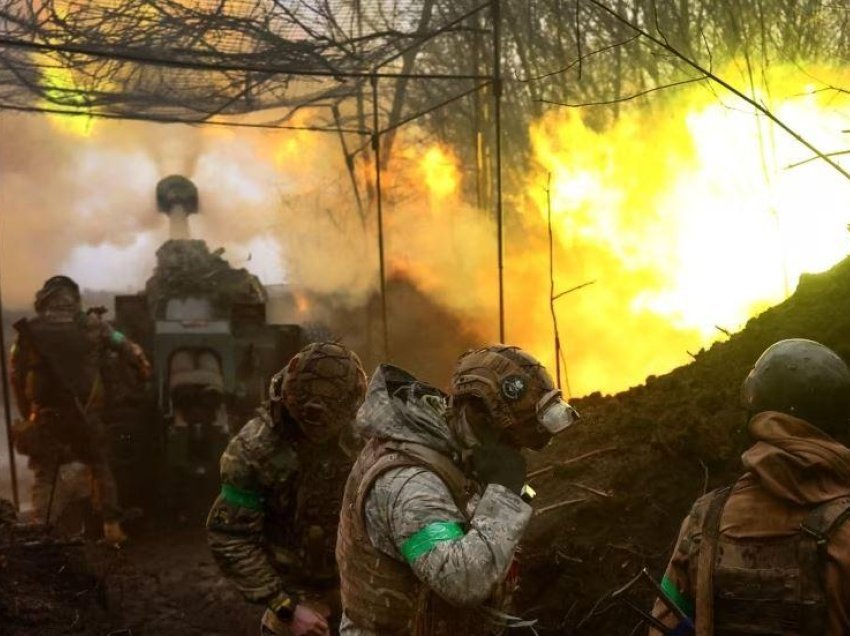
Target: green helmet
point(802, 378)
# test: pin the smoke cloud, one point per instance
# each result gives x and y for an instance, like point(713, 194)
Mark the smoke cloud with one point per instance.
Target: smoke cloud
point(685, 214)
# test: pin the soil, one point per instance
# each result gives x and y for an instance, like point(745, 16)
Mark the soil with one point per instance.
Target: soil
point(161, 583)
point(656, 447)
point(674, 438)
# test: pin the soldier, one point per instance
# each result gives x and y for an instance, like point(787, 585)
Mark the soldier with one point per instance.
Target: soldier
point(771, 554)
point(433, 509)
point(273, 527)
point(57, 362)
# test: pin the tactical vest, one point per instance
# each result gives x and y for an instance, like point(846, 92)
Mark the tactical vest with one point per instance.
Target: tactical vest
point(318, 499)
point(767, 587)
point(381, 593)
point(73, 350)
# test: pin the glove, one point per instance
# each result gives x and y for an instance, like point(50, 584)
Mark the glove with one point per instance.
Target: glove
point(499, 464)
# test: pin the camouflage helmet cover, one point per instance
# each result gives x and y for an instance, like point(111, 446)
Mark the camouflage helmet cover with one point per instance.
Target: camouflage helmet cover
point(516, 390)
point(321, 387)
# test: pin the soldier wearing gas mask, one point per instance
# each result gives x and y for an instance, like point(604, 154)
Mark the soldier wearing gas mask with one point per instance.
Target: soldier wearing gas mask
point(273, 527)
point(58, 362)
point(435, 505)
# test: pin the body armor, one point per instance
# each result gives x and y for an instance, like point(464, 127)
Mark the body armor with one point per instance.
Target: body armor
point(72, 349)
point(381, 593)
point(321, 482)
point(766, 587)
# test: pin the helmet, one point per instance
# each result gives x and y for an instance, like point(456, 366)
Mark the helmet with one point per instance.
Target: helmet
point(518, 393)
point(321, 387)
point(60, 291)
point(802, 378)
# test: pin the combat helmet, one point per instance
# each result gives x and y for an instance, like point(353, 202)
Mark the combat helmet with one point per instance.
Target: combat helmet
point(61, 291)
point(321, 388)
point(802, 378)
point(518, 393)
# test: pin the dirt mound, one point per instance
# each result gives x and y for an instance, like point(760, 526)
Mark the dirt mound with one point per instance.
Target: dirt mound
point(663, 444)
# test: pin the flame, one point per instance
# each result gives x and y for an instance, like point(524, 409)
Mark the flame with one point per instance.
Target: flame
point(439, 169)
point(302, 303)
point(685, 213)
point(61, 87)
point(689, 218)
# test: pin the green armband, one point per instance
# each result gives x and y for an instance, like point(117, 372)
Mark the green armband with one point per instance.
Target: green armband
point(428, 538)
point(680, 600)
point(242, 498)
point(117, 337)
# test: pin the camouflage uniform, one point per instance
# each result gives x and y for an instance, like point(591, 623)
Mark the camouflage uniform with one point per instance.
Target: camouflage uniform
point(272, 529)
point(422, 548)
point(74, 344)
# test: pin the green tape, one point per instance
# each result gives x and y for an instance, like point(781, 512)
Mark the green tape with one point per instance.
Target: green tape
point(242, 498)
point(428, 537)
point(117, 337)
point(680, 600)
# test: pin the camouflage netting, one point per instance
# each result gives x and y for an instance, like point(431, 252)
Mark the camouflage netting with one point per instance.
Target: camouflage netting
point(664, 444)
point(186, 268)
point(193, 61)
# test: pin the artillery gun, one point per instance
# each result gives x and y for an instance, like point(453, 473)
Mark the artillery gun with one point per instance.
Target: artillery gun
point(203, 325)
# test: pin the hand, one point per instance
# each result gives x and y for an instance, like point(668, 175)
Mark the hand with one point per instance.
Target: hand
point(499, 464)
point(304, 622)
point(308, 622)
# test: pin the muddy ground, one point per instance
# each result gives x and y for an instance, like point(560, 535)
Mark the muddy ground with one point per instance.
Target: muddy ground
point(643, 457)
point(162, 583)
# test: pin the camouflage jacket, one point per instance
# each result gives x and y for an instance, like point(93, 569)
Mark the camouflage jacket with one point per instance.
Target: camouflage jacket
point(273, 526)
point(412, 517)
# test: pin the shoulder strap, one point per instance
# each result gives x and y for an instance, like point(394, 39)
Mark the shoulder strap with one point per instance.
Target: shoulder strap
point(387, 459)
point(393, 454)
point(707, 558)
point(441, 465)
point(816, 530)
point(825, 519)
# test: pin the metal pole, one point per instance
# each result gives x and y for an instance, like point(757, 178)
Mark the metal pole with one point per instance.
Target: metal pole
point(497, 114)
point(7, 409)
point(349, 164)
point(376, 151)
point(552, 281)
